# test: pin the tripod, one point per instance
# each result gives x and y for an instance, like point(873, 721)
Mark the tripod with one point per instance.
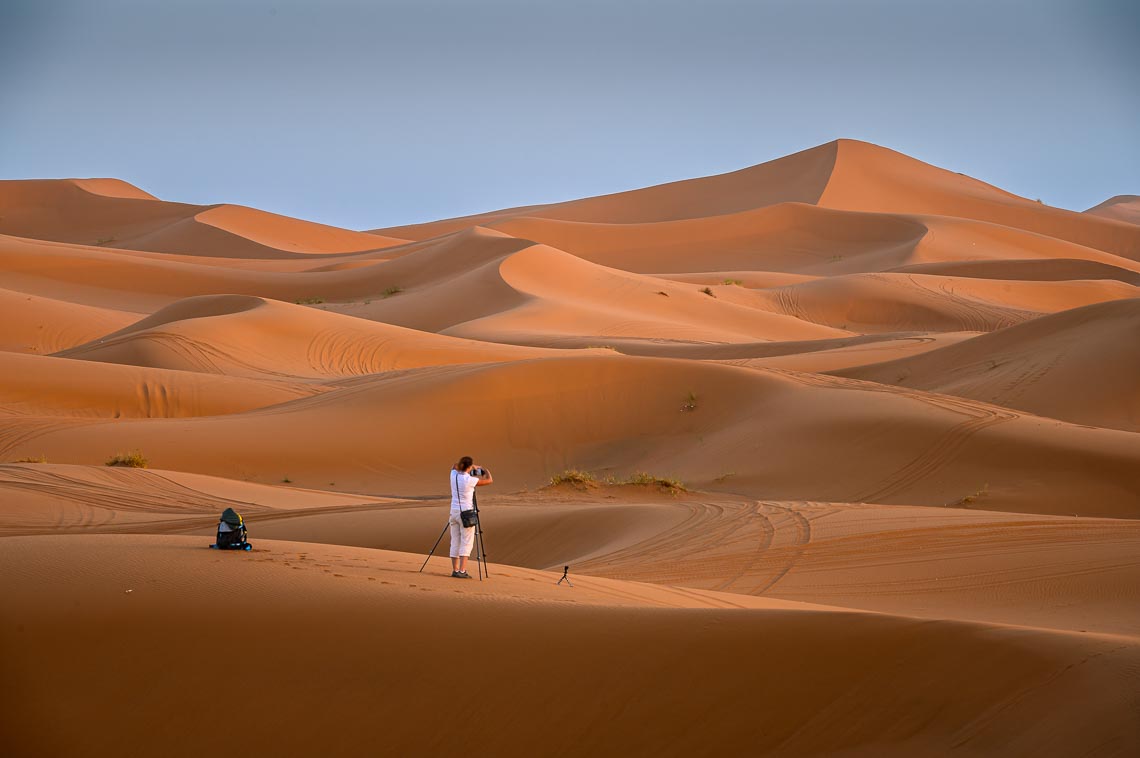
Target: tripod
point(480, 551)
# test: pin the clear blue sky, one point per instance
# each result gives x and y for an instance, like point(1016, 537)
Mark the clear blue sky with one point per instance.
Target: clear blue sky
point(365, 113)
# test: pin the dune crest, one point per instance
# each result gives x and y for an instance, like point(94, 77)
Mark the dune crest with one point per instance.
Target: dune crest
point(1120, 208)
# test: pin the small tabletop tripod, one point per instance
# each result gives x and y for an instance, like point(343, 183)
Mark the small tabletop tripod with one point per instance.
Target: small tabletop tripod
point(565, 576)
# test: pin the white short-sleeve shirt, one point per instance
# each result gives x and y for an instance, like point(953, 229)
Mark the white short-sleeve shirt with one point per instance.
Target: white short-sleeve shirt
point(462, 488)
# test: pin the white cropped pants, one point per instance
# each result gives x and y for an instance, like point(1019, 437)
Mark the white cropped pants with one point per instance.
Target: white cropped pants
point(462, 540)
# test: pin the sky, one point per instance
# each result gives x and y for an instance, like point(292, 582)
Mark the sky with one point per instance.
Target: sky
point(366, 113)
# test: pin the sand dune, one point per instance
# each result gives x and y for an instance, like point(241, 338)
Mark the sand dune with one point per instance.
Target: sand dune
point(772, 431)
point(765, 678)
point(567, 297)
point(1065, 573)
point(903, 401)
point(1120, 208)
point(148, 281)
point(1025, 269)
point(1070, 366)
point(918, 302)
point(247, 336)
point(112, 188)
point(787, 237)
point(51, 386)
point(867, 177)
point(114, 214)
point(841, 175)
point(40, 325)
point(50, 498)
point(798, 178)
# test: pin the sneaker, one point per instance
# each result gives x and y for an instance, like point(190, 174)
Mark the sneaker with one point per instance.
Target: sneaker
point(460, 575)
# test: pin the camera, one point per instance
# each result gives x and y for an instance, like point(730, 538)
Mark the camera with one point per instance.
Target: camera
point(478, 471)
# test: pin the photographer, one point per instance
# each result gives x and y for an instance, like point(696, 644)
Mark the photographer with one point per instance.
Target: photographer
point(465, 477)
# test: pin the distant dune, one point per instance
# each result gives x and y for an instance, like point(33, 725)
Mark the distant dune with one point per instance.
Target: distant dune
point(1121, 208)
point(1081, 365)
point(854, 446)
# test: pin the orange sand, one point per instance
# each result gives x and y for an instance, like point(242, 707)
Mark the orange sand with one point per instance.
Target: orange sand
point(905, 403)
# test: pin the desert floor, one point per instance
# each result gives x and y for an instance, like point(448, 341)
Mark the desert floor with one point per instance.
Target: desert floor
point(859, 443)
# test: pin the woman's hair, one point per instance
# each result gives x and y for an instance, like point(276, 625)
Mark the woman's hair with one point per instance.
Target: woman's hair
point(464, 463)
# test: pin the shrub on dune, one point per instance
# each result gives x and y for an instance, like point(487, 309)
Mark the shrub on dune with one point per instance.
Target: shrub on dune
point(40, 459)
point(572, 476)
point(132, 459)
point(649, 480)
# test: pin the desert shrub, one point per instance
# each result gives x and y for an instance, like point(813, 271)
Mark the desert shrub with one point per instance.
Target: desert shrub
point(572, 476)
point(663, 292)
point(972, 497)
point(393, 291)
point(737, 282)
point(310, 301)
point(133, 459)
point(708, 292)
point(642, 478)
point(40, 459)
point(104, 240)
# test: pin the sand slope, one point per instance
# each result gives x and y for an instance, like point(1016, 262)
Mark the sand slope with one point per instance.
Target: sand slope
point(248, 336)
point(51, 386)
point(1120, 208)
point(759, 679)
point(772, 431)
point(1081, 365)
point(843, 175)
point(112, 213)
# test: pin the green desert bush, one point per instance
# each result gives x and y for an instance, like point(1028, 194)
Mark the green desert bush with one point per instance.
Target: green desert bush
point(133, 459)
point(40, 459)
point(737, 282)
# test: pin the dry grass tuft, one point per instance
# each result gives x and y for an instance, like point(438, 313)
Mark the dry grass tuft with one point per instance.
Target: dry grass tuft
point(574, 477)
point(41, 459)
point(133, 459)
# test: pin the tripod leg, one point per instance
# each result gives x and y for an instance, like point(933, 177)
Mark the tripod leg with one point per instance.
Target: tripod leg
point(478, 554)
point(433, 547)
point(482, 549)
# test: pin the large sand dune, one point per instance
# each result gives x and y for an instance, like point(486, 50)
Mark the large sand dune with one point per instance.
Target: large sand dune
point(904, 404)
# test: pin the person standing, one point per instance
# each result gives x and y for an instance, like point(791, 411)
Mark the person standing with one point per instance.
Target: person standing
point(465, 477)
